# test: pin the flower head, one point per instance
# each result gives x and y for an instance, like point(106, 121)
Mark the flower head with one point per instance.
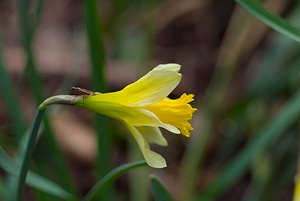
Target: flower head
point(144, 107)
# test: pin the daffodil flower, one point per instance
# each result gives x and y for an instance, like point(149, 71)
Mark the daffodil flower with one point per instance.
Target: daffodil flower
point(144, 107)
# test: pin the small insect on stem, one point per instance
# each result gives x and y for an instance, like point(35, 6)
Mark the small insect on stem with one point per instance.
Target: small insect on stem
point(79, 91)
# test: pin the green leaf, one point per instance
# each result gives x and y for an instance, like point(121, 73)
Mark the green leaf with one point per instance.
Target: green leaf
point(98, 82)
point(96, 49)
point(94, 36)
point(160, 193)
point(274, 21)
point(33, 179)
point(100, 186)
point(10, 97)
point(38, 10)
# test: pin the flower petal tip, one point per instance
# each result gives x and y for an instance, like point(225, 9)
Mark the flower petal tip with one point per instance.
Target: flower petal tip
point(171, 128)
point(168, 67)
point(154, 159)
point(161, 164)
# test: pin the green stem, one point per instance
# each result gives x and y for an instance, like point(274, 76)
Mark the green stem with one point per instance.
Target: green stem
point(28, 152)
point(109, 178)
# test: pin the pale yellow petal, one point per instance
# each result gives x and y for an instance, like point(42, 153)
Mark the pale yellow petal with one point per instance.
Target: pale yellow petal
point(171, 128)
point(152, 158)
point(152, 135)
point(153, 87)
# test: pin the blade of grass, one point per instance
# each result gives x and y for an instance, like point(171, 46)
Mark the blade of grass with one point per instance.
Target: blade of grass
point(238, 166)
point(100, 186)
point(33, 179)
point(274, 21)
point(159, 191)
point(38, 10)
point(27, 35)
point(10, 97)
point(94, 34)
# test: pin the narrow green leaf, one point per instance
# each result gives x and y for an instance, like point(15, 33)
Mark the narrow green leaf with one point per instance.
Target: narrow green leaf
point(27, 36)
point(100, 186)
point(33, 179)
point(274, 21)
point(96, 50)
point(38, 11)
point(239, 165)
point(94, 34)
point(160, 193)
point(10, 97)
point(97, 57)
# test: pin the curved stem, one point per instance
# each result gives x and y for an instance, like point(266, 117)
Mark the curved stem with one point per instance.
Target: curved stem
point(108, 178)
point(28, 152)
